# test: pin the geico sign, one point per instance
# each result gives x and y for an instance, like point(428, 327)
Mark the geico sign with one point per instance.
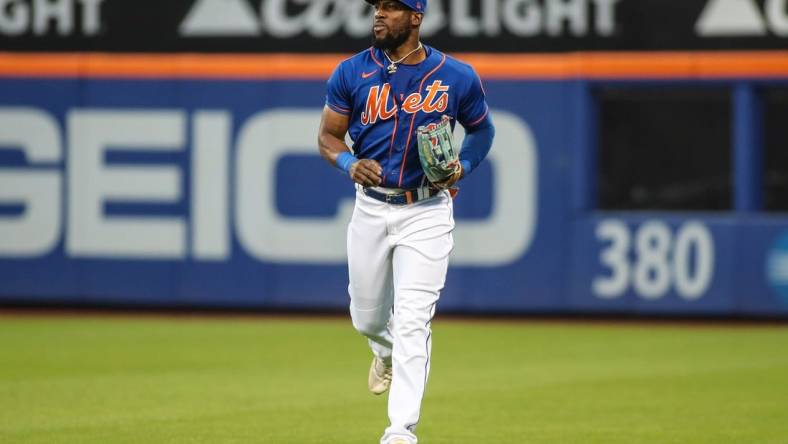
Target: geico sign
point(90, 183)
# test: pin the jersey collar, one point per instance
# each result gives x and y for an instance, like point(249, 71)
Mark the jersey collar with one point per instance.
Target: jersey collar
point(434, 58)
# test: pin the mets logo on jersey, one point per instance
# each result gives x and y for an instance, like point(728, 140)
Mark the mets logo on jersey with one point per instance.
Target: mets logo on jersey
point(377, 106)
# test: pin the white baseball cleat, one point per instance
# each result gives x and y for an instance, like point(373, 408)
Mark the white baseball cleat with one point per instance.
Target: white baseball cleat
point(399, 441)
point(379, 377)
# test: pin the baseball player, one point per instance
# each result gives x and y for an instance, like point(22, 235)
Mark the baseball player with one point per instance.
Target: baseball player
point(400, 235)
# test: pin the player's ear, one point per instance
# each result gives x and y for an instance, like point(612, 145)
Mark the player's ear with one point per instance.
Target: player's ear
point(415, 19)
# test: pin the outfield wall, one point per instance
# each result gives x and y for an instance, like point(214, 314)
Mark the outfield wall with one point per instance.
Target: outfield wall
point(194, 180)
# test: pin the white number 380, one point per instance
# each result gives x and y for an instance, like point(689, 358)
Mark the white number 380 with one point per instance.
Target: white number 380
point(657, 261)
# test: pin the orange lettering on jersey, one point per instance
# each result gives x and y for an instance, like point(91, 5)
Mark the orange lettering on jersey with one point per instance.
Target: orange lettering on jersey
point(377, 105)
point(440, 105)
point(412, 103)
point(430, 104)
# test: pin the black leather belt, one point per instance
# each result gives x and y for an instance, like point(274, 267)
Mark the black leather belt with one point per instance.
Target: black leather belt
point(403, 198)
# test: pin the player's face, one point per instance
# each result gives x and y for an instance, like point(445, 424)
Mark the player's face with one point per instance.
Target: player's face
point(392, 24)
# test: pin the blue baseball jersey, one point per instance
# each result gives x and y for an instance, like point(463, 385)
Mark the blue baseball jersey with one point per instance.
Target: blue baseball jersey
point(386, 109)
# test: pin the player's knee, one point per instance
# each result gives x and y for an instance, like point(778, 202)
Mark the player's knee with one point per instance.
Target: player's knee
point(368, 327)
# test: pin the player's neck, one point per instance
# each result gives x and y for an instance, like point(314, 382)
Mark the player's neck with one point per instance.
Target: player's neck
point(409, 47)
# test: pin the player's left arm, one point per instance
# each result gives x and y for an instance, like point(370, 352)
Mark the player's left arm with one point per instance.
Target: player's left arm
point(477, 143)
point(474, 116)
point(475, 146)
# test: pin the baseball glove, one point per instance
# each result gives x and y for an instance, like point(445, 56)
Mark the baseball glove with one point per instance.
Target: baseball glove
point(437, 151)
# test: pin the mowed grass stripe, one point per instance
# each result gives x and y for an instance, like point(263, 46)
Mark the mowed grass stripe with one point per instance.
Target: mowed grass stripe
point(267, 380)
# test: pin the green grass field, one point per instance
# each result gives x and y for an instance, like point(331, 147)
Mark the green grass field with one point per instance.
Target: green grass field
point(267, 380)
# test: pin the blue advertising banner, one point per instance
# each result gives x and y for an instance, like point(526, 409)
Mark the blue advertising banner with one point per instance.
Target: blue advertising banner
point(211, 193)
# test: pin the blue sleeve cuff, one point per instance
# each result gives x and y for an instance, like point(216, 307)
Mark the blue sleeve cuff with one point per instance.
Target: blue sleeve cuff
point(345, 161)
point(466, 167)
point(339, 109)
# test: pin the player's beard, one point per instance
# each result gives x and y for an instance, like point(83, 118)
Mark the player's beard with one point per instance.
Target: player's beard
point(393, 39)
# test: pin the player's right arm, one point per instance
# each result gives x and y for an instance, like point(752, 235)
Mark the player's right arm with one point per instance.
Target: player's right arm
point(331, 141)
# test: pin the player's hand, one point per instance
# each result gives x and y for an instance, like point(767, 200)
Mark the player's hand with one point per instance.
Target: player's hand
point(366, 172)
point(451, 180)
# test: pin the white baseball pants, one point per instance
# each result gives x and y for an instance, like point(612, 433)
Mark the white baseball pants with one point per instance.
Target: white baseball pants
point(397, 258)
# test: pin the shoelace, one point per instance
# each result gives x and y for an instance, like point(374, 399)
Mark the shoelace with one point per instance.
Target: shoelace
point(385, 373)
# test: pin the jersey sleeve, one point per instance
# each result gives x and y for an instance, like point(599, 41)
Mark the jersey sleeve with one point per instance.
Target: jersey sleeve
point(473, 105)
point(337, 91)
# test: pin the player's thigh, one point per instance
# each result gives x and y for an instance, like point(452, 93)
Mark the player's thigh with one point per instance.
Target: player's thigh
point(421, 266)
point(369, 259)
point(421, 257)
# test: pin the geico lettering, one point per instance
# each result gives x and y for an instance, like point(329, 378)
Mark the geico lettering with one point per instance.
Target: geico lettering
point(262, 231)
point(210, 228)
point(22, 16)
point(269, 236)
point(92, 183)
point(37, 230)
